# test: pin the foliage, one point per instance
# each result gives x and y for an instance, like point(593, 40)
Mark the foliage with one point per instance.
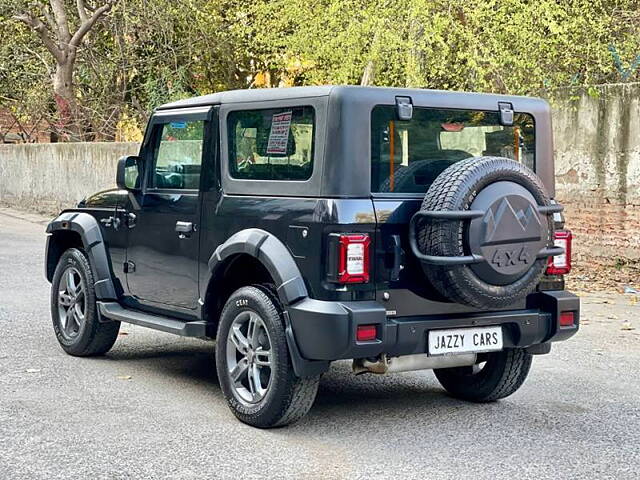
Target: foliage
point(513, 46)
point(147, 52)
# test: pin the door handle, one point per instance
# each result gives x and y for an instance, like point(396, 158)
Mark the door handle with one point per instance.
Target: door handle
point(110, 222)
point(184, 227)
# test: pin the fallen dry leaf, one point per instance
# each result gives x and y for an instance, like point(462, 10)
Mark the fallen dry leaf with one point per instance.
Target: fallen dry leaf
point(627, 326)
point(590, 277)
point(124, 377)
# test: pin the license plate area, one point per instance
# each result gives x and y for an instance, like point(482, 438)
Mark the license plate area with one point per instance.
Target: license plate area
point(464, 340)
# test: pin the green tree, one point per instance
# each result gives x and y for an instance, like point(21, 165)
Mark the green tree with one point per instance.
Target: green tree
point(62, 37)
point(514, 46)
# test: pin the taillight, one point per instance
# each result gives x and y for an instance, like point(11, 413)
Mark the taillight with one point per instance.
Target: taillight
point(353, 258)
point(366, 333)
point(561, 264)
point(567, 319)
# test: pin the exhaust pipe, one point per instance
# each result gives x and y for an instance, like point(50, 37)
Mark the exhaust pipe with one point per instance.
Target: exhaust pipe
point(407, 363)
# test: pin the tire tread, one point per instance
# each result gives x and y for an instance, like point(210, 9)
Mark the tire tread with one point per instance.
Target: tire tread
point(446, 238)
point(100, 336)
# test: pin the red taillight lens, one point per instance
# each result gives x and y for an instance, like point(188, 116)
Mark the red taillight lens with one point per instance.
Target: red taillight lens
point(353, 258)
point(566, 319)
point(561, 264)
point(366, 333)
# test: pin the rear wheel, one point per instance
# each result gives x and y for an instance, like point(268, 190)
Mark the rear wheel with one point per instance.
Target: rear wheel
point(73, 308)
point(253, 363)
point(498, 376)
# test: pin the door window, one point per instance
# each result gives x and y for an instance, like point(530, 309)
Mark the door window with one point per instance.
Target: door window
point(178, 155)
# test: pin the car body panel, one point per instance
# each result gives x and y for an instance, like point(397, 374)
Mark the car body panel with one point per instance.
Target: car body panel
point(156, 271)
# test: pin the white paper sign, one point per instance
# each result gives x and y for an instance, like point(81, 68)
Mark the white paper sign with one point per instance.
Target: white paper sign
point(279, 134)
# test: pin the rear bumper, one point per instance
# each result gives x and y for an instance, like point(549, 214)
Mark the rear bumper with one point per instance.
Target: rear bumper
point(327, 330)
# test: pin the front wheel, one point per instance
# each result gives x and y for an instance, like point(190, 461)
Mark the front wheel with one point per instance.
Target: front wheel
point(253, 363)
point(73, 308)
point(497, 376)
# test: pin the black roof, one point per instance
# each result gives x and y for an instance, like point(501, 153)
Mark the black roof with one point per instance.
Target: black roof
point(250, 95)
point(264, 94)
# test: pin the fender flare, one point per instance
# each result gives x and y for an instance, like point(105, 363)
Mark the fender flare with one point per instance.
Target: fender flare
point(88, 228)
point(272, 253)
point(290, 287)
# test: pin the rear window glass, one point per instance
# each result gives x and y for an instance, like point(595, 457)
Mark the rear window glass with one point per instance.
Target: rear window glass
point(407, 156)
point(273, 144)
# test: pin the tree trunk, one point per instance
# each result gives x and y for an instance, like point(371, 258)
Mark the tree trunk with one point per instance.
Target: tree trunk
point(368, 74)
point(63, 46)
point(69, 121)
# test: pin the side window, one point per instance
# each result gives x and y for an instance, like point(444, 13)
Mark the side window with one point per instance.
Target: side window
point(177, 158)
point(271, 144)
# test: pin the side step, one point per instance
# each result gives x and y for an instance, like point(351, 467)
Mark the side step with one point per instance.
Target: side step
point(115, 311)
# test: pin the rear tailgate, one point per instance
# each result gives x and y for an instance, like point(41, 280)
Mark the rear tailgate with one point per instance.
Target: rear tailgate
point(398, 273)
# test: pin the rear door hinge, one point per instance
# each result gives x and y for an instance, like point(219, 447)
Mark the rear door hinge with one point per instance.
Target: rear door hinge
point(506, 113)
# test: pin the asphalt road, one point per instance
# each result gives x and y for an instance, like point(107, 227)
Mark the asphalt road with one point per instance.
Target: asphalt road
point(152, 407)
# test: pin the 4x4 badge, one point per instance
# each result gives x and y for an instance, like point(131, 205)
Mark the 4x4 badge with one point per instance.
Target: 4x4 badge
point(504, 257)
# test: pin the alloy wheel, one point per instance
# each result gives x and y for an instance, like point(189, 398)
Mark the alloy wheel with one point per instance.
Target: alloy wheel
point(249, 357)
point(71, 302)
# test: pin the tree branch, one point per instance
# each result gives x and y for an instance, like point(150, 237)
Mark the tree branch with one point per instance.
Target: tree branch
point(43, 32)
point(82, 11)
point(47, 15)
point(60, 15)
point(85, 26)
point(39, 57)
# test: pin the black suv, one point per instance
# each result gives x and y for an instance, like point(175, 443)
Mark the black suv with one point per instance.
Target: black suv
point(403, 229)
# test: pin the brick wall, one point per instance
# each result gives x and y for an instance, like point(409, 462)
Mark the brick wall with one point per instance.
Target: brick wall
point(597, 151)
point(13, 132)
point(604, 232)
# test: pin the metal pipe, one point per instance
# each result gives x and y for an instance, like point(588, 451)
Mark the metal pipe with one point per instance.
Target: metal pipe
point(407, 363)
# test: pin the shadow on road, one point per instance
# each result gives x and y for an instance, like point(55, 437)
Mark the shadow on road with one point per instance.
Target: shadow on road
point(342, 396)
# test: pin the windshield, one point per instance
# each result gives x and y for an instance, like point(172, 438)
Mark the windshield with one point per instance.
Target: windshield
point(407, 156)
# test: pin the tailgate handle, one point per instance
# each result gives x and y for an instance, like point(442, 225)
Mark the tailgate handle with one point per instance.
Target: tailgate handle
point(398, 255)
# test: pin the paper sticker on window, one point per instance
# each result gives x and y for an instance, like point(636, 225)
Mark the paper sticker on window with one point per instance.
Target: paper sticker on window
point(279, 134)
point(178, 124)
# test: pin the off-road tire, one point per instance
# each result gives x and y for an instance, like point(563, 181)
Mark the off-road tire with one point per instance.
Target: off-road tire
point(503, 373)
point(94, 337)
point(288, 397)
point(455, 189)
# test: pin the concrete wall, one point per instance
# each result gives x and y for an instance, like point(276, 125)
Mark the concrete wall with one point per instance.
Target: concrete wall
point(50, 176)
point(597, 145)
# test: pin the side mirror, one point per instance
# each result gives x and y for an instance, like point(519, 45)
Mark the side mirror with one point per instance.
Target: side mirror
point(129, 172)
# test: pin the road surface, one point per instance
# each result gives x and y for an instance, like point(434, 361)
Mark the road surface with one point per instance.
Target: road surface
point(152, 407)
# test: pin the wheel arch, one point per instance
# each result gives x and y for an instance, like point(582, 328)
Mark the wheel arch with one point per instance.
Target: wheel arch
point(79, 229)
point(270, 253)
point(270, 262)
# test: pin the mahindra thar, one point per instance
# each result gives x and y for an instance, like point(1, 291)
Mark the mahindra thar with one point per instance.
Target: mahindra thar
point(401, 229)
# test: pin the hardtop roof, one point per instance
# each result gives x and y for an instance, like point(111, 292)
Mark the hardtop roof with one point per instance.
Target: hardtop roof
point(250, 95)
point(266, 94)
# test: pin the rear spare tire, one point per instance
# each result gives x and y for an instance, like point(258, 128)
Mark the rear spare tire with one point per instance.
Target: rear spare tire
point(509, 235)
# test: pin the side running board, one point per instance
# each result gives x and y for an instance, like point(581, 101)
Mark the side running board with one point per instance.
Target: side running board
point(114, 311)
